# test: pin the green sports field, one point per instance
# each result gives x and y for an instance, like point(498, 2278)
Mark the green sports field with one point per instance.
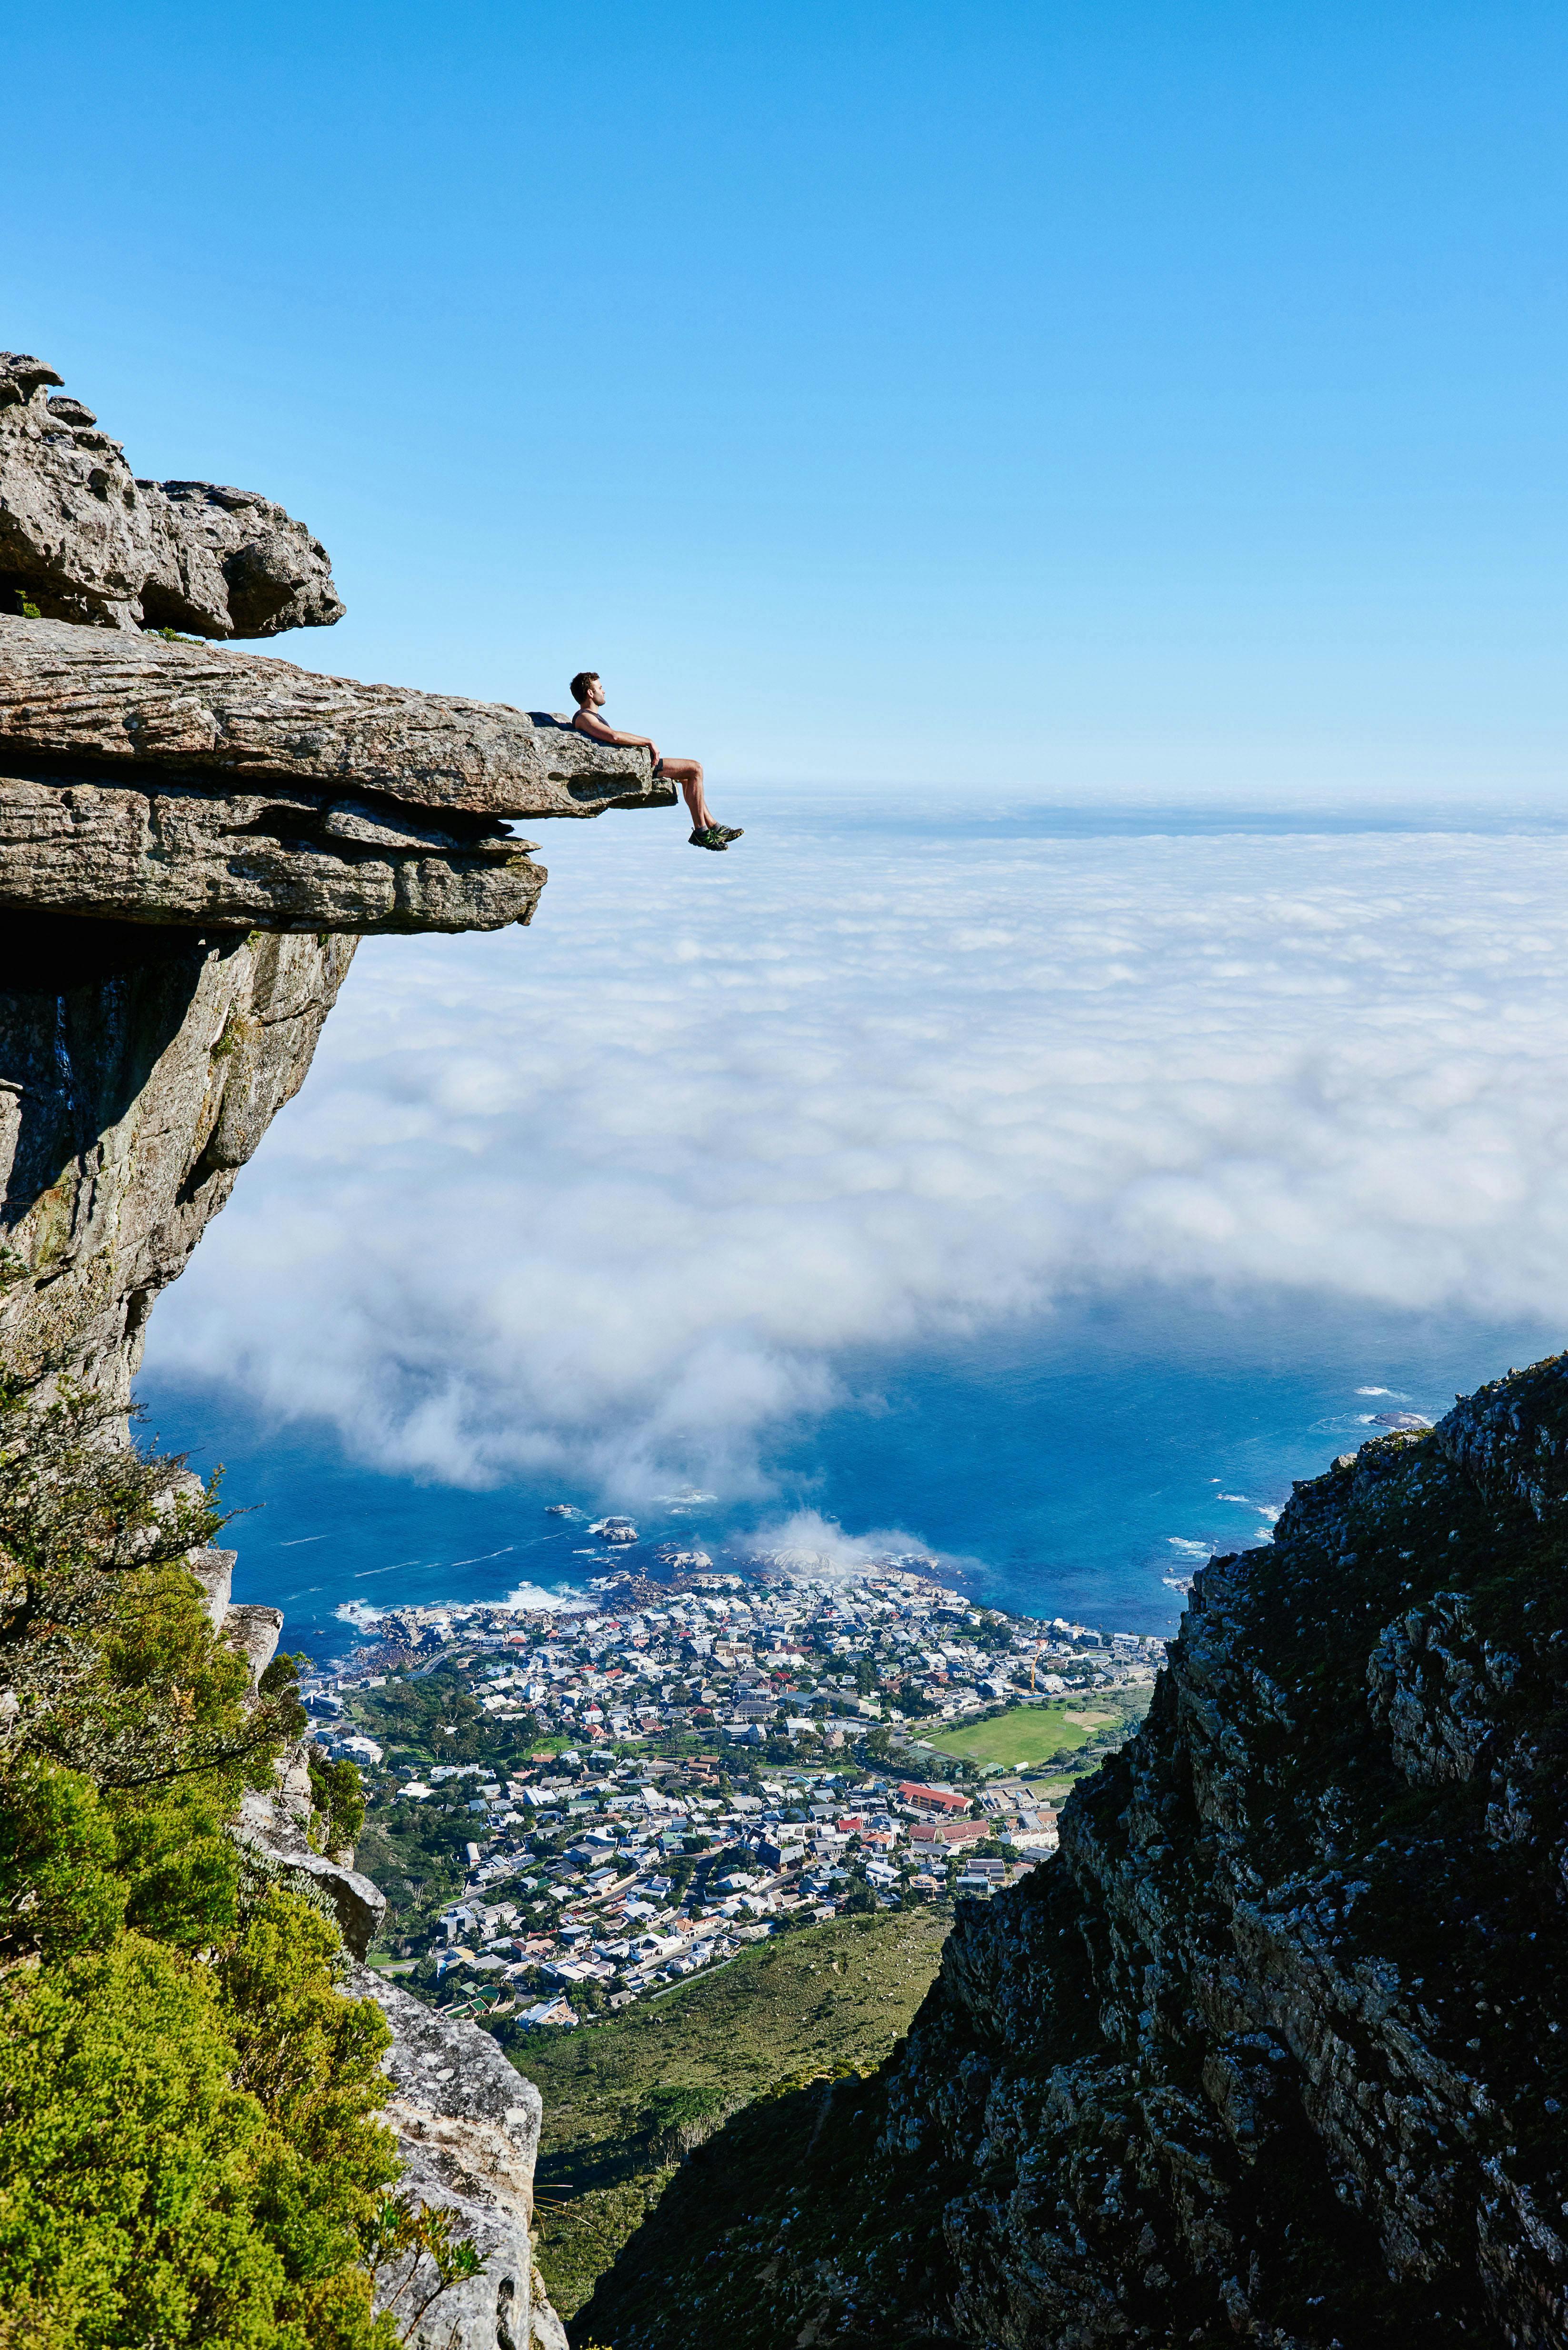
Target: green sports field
point(1026, 1735)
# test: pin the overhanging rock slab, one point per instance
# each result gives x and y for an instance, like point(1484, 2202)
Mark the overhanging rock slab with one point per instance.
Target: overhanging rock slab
point(140, 705)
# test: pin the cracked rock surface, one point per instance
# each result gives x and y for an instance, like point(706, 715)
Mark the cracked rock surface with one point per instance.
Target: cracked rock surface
point(281, 859)
point(138, 1070)
point(1276, 2049)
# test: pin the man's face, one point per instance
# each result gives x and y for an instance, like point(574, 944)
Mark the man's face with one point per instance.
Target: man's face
point(596, 695)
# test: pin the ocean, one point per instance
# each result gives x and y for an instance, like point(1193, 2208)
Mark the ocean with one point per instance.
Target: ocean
point(1085, 1468)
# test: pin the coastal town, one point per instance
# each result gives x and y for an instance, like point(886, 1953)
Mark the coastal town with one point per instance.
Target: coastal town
point(570, 1808)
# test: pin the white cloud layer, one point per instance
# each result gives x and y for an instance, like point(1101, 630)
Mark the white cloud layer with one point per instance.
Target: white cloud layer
point(615, 1196)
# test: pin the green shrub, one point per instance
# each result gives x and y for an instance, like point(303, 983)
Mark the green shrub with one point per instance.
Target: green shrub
point(674, 2120)
point(190, 2147)
point(125, 2158)
point(339, 1796)
point(112, 1666)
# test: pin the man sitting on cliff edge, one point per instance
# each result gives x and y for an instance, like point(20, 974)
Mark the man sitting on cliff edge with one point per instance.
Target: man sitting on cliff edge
point(589, 696)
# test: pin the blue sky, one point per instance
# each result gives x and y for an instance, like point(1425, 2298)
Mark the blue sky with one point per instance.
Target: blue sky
point(1152, 401)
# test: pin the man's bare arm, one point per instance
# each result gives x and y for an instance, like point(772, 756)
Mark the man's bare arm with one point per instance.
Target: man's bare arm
point(587, 723)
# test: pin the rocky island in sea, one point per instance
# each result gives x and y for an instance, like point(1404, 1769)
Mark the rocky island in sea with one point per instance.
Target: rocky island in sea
point(1272, 2048)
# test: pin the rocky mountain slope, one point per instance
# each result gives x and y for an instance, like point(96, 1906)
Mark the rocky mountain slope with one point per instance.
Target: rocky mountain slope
point(1276, 2051)
point(193, 841)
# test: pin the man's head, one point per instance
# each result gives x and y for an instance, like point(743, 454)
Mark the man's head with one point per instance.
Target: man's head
point(585, 688)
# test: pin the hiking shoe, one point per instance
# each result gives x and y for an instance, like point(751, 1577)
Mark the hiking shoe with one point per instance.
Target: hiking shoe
point(714, 837)
point(731, 831)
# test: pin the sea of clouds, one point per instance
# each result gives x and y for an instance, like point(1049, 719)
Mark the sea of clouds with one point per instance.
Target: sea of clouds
point(620, 1195)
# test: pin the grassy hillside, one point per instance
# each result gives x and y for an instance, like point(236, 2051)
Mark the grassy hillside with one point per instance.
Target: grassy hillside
point(623, 2098)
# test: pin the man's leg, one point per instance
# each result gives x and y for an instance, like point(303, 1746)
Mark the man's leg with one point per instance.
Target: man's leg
point(688, 774)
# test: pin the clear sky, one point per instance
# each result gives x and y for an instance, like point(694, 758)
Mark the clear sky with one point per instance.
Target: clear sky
point(1164, 400)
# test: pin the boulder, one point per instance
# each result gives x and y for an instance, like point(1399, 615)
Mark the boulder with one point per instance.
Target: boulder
point(83, 539)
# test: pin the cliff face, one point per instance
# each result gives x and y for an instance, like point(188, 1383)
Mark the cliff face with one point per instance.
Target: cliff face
point(1276, 2050)
point(138, 1070)
point(468, 2132)
point(193, 841)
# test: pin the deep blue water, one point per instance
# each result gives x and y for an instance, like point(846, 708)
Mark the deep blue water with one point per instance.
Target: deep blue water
point(1069, 1468)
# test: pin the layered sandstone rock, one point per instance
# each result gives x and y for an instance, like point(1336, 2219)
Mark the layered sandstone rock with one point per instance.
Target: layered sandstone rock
point(138, 709)
point(279, 860)
point(149, 782)
point(1276, 2050)
point(148, 779)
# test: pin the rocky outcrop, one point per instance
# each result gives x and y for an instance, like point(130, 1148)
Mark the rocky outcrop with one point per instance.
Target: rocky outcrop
point(138, 710)
point(468, 2132)
point(192, 841)
point(149, 780)
point(143, 781)
point(277, 1824)
point(1276, 2050)
point(279, 860)
point(82, 540)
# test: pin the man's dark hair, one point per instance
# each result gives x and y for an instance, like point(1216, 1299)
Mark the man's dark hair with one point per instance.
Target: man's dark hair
point(581, 683)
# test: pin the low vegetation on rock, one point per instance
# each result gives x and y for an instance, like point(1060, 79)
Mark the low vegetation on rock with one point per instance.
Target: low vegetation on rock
point(190, 2147)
